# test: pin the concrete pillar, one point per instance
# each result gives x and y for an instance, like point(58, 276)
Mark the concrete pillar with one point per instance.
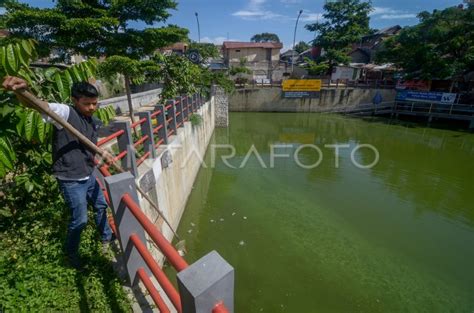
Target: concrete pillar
point(171, 115)
point(185, 108)
point(195, 107)
point(179, 111)
point(221, 101)
point(161, 120)
point(117, 186)
point(125, 143)
point(205, 283)
point(147, 130)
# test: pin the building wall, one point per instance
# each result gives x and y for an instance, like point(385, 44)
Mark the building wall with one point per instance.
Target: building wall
point(251, 54)
point(270, 100)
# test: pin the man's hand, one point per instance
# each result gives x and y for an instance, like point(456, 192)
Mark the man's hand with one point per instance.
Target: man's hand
point(107, 158)
point(14, 83)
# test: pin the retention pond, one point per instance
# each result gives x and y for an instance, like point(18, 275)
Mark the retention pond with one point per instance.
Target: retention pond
point(397, 237)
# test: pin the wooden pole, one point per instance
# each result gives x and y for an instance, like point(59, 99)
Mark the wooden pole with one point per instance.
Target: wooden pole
point(43, 107)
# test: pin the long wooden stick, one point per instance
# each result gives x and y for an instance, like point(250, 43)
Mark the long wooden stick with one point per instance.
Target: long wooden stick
point(43, 107)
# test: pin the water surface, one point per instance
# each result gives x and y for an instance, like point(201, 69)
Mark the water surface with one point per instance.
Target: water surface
point(398, 237)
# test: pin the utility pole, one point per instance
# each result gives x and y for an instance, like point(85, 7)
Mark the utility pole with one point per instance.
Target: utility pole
point(294, 38)
point(199, 29)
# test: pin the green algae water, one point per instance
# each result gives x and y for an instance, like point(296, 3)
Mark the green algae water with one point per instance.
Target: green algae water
point(397, 237)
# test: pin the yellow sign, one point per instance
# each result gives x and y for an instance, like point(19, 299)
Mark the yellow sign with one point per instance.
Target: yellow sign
point(301, 85)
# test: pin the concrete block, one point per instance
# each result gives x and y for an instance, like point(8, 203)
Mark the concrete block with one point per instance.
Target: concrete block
point(205, 283)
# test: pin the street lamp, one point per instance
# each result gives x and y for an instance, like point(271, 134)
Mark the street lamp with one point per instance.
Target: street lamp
point(294, 38)
point(199, 29)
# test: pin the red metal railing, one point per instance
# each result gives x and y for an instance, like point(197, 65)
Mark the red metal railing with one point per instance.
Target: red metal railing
point(163, 244)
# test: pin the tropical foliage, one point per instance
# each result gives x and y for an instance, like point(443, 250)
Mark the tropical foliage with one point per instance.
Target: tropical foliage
point(265, 37)
point(345, 22)
point(441, 46)
point(33, 273)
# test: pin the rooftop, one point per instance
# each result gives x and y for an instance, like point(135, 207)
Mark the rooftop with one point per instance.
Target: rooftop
point(237, 45)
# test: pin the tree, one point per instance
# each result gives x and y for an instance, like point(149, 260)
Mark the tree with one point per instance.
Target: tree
point(345, 22)
point(265, 37)
point(441, 46)
point(301, 46)
point(96, 28)
point(205, 50)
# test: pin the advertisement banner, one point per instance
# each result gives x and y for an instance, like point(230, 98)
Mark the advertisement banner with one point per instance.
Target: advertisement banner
point(438, 97)
point(301, 85)
point(300, 94)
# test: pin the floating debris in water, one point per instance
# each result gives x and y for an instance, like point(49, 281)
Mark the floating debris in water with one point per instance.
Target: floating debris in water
point(245, 217)
point(242, 243)
point(221, 219)
point(192, 224)
point(233, 213)
point(212, 221)
point(190, 231)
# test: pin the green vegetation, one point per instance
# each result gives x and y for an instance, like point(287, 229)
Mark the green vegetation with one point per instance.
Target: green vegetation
point(206, 50)
point(265, 37)
point(441, 46)
point(195, 119)
point(314, 68)
point(33, 274)
point(301, 47)
point(345, 22)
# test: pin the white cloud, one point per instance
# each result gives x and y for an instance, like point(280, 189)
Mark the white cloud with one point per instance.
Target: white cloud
point(311, 17)
point(217, 40)
point(397, 16)
point(390, 13)
point(255, 10)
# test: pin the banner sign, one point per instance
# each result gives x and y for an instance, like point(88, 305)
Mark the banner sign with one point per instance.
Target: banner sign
point(438, 97)
point(420, 85)
point(301, 88)
point(301, 85)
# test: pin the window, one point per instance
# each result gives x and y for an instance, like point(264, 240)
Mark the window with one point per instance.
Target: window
point(237, 50)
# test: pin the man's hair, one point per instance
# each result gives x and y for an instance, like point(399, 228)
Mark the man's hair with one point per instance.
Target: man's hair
point(83, 89)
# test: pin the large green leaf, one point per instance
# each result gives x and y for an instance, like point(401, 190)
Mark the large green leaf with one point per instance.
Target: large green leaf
point(7, 155)
point(63, 92)
point(40, 128)
point(30, 126)
point(68, 78)
point(22, 55)
point(11, 60)
point(27, 47)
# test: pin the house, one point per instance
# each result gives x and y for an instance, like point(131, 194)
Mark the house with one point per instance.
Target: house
point(365, 50)
point(251, 52)
point(262, 58)
point(289, 56)
point(178, 48)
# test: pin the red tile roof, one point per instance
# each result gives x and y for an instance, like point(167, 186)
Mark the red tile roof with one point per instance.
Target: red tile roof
point(237, 45)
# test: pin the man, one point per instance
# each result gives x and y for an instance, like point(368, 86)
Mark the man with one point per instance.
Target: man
point(73, 164)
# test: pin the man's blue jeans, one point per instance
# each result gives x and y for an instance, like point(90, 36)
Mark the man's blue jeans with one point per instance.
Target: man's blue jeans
point(77, 195)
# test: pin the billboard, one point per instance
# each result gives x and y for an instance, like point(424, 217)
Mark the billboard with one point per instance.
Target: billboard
point(301, 88)
point(438, 97)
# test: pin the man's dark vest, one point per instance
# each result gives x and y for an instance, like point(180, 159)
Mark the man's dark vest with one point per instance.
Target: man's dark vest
point(71, 159)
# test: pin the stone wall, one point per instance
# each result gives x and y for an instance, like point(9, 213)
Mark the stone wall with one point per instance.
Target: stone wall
point(268, 99)
point(221, 100)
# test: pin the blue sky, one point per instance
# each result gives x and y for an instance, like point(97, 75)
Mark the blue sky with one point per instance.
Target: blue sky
point(239, 20)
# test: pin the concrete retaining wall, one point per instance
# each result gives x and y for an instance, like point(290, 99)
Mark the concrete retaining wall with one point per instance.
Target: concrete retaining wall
point(269, 100)
point(138, 100)
point(175, 182)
